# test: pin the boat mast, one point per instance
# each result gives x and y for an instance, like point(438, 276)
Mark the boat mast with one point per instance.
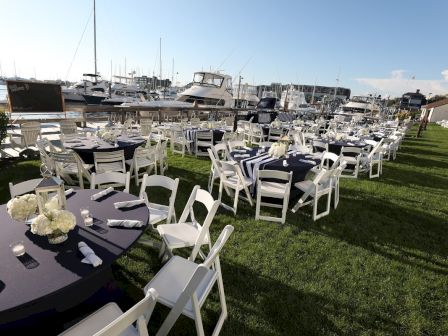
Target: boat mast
point(160, 60)
point(94, 36)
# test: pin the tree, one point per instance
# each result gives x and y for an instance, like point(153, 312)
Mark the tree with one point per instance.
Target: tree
point(436, 98)
point(3, 126)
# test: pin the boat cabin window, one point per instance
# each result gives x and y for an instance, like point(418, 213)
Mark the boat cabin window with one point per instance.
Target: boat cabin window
point(207, 79)
point(229, 85)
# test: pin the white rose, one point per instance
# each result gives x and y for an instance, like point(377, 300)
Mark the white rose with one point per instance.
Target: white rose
point(63, 220)
point(20, 207)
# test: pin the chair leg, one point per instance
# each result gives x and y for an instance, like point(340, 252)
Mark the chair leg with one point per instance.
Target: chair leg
point(258, 205)
point(235, 201)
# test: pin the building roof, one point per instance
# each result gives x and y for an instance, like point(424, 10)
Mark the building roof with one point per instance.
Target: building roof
point(437, 103)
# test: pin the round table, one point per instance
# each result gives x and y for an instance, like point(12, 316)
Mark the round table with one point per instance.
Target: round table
point(61, 280)
point(85, 147)
point(335, 146)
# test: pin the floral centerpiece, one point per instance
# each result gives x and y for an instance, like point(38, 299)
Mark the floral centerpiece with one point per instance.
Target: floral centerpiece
point(55, 224)
point(340, 136)
point(277, 149)
point(363, 131)
point(107, 135)
point(21, 207)
point(276, 123)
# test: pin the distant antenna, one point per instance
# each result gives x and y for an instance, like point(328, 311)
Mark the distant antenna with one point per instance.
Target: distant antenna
point(160, 57)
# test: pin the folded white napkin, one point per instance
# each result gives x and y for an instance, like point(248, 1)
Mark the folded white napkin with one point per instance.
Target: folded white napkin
point(126, 204)
point(69, 191)
point(90, 256)
point(242, 155)
point(101, 193)
point(350, 144)
point(240, 150)
point(308, 161)
point(129, 223)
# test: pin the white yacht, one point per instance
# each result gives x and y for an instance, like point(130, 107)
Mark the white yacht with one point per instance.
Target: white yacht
point(295, 101)
point(91, 83)
point(361, 104)
point(247, 95)
point(125, 94)
point(209, 89)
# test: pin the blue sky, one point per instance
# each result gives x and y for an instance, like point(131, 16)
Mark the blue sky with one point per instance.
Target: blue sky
point(385, 47)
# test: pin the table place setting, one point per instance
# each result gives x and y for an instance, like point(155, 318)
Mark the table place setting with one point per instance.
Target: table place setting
point(127, 223)
point(101, 194)
point(89, 255)
point(128, 204)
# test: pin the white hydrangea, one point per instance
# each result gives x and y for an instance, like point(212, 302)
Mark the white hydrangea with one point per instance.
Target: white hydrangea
point(20, 207)
point(341, 136)
point(52, 204)
point(277, 149)
point(298, 122)
point(53, 221)
point(276, 123)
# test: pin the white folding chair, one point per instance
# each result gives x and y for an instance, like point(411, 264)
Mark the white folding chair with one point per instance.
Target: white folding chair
point(146, 127)
point(335, 181)
point(144, 158)
point(45, 147)
point(275, 134)
point(234, 144)
point(328, 161)
point(319, 146)
point(273, 189)
point(160, 212)
point(179, 142)
point(109, 161)
point(110, 320)
point(215, 169)
point(30, 132)
point(162, 156)
point(372, 160)
point(204, 140)
point(110, 179)
point(233, 182)
point(23, 187)
point(256, 133)
point(352, 156)
point(183, 286)
point(68, 127)
point(320, 186)
point(192, 233)
point(68, 165)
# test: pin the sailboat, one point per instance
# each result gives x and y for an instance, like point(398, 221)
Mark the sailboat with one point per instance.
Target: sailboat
point(91, 83)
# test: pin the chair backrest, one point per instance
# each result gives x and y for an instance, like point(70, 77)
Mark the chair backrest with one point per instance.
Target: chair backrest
point(204, 136)
point(236, 144)
point(44, 143)
point(145, 126)
point(328, 158)
point(201, 196)
point(229, 121)
point(68, 127)
point(30, 132)
point(375, 149)
point(160, 181)
point(338, 171)
point(23, 187)
point(274, 174)
point(231, 170)
point(195, 121)
point(213, 255)
point(323, 180)
point(139, 313)
point(109, 161)
point(319, 146)
point(69, 158)
point(351, 150)
point(111, 179)
point(220, 150)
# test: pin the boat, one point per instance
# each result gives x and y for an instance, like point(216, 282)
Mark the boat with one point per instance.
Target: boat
point(361, 104)
point(125, 94)
point(246, 96)
point(294, 100)
point(209, 89)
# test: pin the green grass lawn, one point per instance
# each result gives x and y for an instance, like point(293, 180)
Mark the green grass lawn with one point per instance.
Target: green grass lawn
point(375, 266)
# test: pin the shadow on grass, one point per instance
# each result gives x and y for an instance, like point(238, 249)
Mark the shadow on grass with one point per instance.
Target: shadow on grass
point(415, 238)
point(301, 314)
point(419, 161)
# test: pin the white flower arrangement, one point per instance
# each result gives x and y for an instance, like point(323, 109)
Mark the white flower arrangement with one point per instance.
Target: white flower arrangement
point(53, 222)
point(340, 136)
point(298, 122)
point(21, 207)
point(276, 123)
point(330, 135)
point(52, 204)
point(363, 131)
point(277, 149)
point(107, 135)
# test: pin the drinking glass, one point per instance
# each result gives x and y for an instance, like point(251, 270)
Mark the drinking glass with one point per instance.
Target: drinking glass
point(18, 248)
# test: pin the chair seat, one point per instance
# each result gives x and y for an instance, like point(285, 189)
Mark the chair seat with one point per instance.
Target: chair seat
point(304, 185)
point(272, 189)
point(233, 180)
point(171, 280)
point(157, 213)
point(179, 235)
point(349, 159)
point(141, 162)
point(72, 168)
point(97, 321)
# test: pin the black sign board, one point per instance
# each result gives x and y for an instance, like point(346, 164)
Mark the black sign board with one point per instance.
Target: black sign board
point(26, 96)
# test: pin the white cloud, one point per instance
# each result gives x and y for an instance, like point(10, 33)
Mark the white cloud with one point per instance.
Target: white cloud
point(400, 82)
